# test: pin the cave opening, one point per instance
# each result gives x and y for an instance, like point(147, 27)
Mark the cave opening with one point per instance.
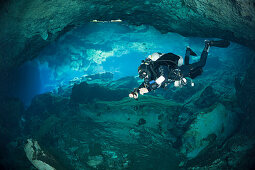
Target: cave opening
point(115, 48)
point(77, 105)
point(67, 69)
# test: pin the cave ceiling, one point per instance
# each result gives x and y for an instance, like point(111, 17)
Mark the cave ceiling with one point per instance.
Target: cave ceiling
point(27, 26)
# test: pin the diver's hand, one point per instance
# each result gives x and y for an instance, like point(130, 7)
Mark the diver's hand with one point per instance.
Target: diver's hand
point(133, 95)
point(143, 90)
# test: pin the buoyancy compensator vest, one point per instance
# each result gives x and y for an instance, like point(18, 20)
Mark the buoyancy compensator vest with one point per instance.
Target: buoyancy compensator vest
point(150, 65)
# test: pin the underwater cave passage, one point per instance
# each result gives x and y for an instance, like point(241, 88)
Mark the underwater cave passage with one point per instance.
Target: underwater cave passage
point(78, 108)
point(112, 48)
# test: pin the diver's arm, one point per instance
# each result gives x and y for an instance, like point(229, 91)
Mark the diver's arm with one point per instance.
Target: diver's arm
point(141, 85)
point(142, 89)
point(134, 93)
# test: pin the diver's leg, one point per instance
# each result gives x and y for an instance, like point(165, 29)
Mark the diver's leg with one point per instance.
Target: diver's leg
point(191, 70)
point(208, 43)
point(204, 54)
point(195, 69)
point(187, 54)
point(185, 70)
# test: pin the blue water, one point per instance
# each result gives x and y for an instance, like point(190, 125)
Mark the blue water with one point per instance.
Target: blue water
point(90, 124)
point(121, 48)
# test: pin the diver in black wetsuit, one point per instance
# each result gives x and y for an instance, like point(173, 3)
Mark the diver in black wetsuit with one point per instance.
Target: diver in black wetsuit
point(159, 70)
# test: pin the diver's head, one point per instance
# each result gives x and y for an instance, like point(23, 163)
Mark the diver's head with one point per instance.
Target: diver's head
point(143, 71)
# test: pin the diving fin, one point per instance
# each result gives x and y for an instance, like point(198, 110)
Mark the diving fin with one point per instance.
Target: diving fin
point(192, 53)
point(220, 43)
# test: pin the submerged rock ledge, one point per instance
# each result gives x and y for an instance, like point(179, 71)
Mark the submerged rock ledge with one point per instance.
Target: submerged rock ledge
point(88, 129)
point(127, 133)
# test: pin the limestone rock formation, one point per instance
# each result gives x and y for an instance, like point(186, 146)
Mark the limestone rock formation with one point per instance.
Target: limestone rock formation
point(245, 91)
point(207, 98)
point(37, 156)
point(126, 133)
point(206, 128)
point(27, 26)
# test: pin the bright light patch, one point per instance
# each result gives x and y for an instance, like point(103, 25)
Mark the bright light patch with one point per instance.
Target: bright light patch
point(98, 56)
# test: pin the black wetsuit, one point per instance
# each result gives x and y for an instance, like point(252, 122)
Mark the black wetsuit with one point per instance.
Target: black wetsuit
point(194, 69)
point(167, 66)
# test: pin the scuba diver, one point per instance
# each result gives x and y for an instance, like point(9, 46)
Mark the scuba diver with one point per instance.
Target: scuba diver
point(158, 70)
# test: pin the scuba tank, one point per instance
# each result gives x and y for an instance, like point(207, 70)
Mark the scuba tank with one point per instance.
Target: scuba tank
point(150, 64)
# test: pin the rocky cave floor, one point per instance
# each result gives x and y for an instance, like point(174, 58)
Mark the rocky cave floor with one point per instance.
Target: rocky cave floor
point(92, 124)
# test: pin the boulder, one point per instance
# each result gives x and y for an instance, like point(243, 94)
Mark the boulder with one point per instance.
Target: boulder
point(208, 128)
point(38, 157)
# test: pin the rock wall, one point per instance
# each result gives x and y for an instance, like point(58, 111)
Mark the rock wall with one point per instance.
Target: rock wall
point(245, 90)
point(27, 26)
